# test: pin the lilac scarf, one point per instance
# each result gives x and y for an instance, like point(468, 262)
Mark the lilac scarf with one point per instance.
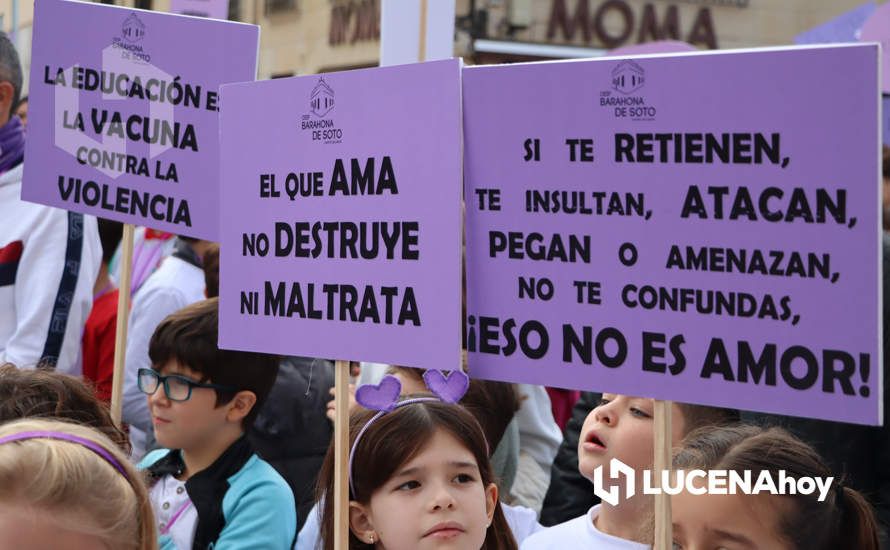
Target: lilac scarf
point(12, 144)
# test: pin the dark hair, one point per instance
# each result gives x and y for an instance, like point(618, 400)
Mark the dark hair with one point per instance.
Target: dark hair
point(211, 270)
point(844, 520)
point(37, 393)
point(391, 441)
point(10, 70)
point(702, 416)
point(110, 233)
point(189, 337)
point(492, 403)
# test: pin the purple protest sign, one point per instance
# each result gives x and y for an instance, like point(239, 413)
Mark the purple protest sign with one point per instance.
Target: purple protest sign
point(680, 227)
point(342, 200)
point(843, 28)
point(124, 120)
point(215, 9)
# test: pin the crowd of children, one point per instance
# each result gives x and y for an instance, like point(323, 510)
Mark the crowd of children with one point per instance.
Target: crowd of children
point(422, 472)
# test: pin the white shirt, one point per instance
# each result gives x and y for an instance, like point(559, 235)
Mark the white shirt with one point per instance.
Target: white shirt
point(174, 512)
point(44, 306)
point(579, 533)
point(310, 534)
point(539, 434)
point(522, 521)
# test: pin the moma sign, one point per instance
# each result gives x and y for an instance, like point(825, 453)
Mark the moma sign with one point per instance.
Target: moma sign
point(615, 23)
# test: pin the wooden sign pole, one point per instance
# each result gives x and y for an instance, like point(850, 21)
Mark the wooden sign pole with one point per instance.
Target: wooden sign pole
point(421, 48)
point(341, 456)
point(123, 313)
point(663, 447)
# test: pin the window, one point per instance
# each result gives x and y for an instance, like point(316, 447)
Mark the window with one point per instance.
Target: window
point(276, 6)
point(234, 10)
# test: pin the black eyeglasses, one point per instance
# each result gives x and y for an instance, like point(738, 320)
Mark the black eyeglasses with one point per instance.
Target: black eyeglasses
point(176, 387)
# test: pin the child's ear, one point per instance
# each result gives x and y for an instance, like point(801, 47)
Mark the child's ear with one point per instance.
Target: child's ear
point(491, 501)
point(361, 524)
point(240, 406)
point(7, 92)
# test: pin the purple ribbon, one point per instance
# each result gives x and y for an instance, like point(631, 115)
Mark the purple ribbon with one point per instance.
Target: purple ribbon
point(12, 144)
point(91, 445)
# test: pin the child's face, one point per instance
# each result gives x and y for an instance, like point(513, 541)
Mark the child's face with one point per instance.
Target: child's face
point(186, 425)
point(26, 528)
point(621, 427)
point(435, 500)
point(729, 522)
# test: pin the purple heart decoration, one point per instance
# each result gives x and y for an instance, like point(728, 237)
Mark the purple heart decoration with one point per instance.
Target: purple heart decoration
point(382, 397)
point(449, 389)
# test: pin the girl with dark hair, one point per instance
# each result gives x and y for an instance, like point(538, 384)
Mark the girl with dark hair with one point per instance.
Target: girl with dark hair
point(766, 521)
point(47, 394)
point(420, 478)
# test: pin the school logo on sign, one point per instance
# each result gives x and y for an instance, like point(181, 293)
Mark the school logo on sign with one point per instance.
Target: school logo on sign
point(133, 30)
point(628, 77)
point(321, 102)
point(322, 99)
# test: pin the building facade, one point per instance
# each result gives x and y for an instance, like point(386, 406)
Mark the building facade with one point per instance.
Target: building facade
point(312, 36)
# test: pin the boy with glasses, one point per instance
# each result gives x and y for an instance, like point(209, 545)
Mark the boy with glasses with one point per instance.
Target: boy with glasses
point(208, 488)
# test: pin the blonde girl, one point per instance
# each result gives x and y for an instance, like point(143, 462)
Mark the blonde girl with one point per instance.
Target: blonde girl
point(63, 485)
